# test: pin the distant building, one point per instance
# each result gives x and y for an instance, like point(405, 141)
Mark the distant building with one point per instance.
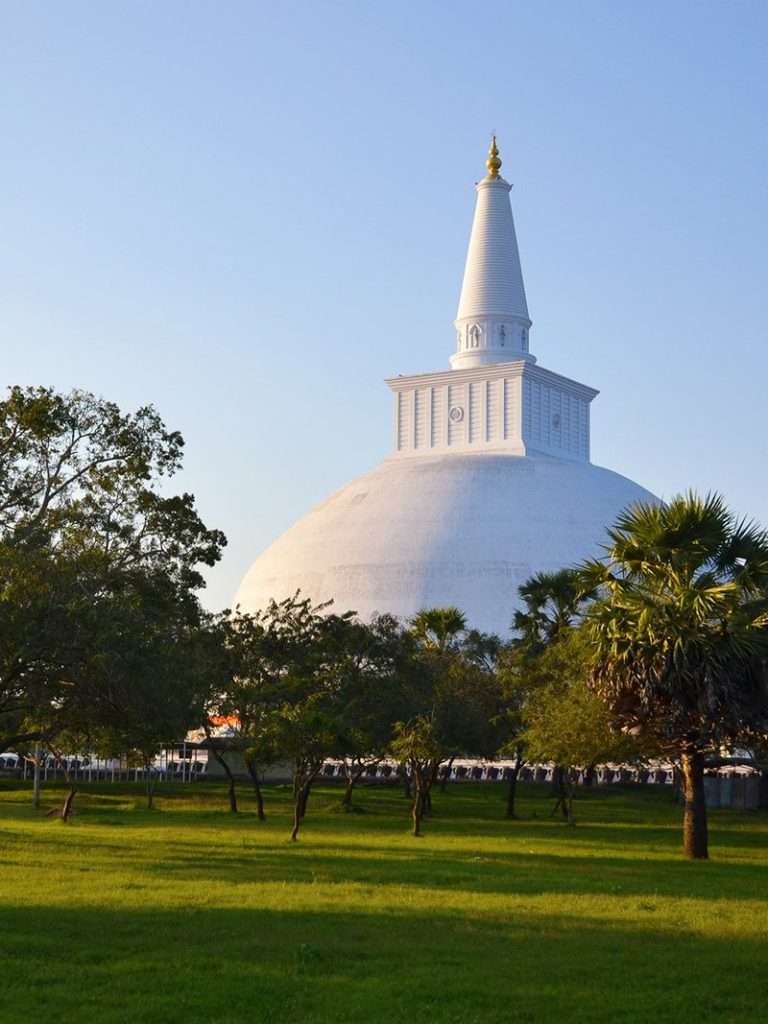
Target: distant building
point(490, 476)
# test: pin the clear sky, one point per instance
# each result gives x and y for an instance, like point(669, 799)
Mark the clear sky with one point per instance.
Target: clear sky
point(251, 213)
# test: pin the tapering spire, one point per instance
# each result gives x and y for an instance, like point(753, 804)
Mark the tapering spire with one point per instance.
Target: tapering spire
point(492, 321)
point(493, 163)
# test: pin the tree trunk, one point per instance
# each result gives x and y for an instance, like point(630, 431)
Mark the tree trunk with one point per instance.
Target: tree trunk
point(678, 784)
point(695, 812)
point(36, 778)
point(346, 800)
point(512, 790)
point(352, 780)
point(227, 770)
point(558, 791)
point(568, 796)
point(231, 792)
point(445, 775)
point(300, 807)
point(426, 802)
point(67, 810)
point(253, 771)
point(417, 810)
point(304, 800)
point(401, 769)
point(149, 775)
point(416, 814)
point(428, 779)
point(296, 817)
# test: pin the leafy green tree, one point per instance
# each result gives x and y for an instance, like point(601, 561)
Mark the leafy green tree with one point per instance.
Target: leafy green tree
point(92, 552)
point(553, 603)
point(417, 745)
point(301, 683)
point(274, 659)
point(245, 686)
point(306, 730)
point(141, 679)
point(564, 721)
point(371, 697)
point(514, 688)
point(680, 635)
point(452, 699)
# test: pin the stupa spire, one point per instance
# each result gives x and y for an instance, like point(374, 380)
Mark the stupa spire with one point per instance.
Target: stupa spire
point(492, 321)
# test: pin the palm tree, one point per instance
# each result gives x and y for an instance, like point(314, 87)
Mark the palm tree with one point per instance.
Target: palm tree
point(551, 604)
point(439, 629)
point(680, 634)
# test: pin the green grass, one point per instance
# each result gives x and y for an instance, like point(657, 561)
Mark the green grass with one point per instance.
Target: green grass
point(188, 914)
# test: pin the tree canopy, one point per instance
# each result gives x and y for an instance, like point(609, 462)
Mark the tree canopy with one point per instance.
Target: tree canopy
point(99, 566)
point(680, 634)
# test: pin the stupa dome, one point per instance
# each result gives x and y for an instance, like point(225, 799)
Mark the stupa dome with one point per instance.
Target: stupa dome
point(490, 478)
point(462, 530)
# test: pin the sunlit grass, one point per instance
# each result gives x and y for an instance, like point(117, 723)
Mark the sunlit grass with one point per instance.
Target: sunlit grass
point(191, 914)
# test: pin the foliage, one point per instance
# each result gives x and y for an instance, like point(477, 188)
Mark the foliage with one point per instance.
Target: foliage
point(98, 571)
point(532, 665)
point(564, 721)
point(416, 744)
point(452, 699)
point(552, 602)
point(439, 629)
point(305, 685)
point(682, 631)
point(680, 635)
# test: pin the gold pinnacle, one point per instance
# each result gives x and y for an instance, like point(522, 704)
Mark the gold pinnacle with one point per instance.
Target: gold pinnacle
point(493, 163)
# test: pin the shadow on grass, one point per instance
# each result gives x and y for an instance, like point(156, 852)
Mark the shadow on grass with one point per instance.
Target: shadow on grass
point(515, 873)
point(248, 855)
point(201, 964)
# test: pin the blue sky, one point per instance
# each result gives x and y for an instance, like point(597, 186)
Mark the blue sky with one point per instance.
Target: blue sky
point(250, 214)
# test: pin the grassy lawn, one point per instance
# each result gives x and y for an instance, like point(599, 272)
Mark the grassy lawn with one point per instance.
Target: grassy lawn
point(188, 914)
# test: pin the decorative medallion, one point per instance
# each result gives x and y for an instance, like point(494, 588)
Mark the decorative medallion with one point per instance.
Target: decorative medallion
point(456, 415)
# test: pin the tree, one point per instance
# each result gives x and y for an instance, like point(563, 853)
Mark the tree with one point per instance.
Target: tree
point(439, 629)
point(142, 677)
point(553, 603)
point(92, 553)
point(295, 669)
point(243, 690)
point(565, 722)
point(306, 730)
point(680, 635)
point(371, 697)
point(275, 660)
point(452, 699)
point(416, 745)
point(514, 687)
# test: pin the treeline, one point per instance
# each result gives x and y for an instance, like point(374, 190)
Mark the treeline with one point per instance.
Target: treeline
point(659, 648)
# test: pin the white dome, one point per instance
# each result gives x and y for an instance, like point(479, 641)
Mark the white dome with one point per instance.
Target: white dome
point(462, 530)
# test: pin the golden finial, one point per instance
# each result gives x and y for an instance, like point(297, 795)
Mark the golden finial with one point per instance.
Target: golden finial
point(493, 163)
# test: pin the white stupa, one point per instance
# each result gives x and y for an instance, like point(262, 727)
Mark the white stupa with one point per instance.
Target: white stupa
point(489, 480)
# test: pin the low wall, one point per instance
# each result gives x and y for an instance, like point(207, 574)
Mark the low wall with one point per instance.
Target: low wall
point(736, 792)
point(275, 773)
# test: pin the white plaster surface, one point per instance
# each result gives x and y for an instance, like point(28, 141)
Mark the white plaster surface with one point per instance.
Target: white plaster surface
point(492, 321)
point(440, 530)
